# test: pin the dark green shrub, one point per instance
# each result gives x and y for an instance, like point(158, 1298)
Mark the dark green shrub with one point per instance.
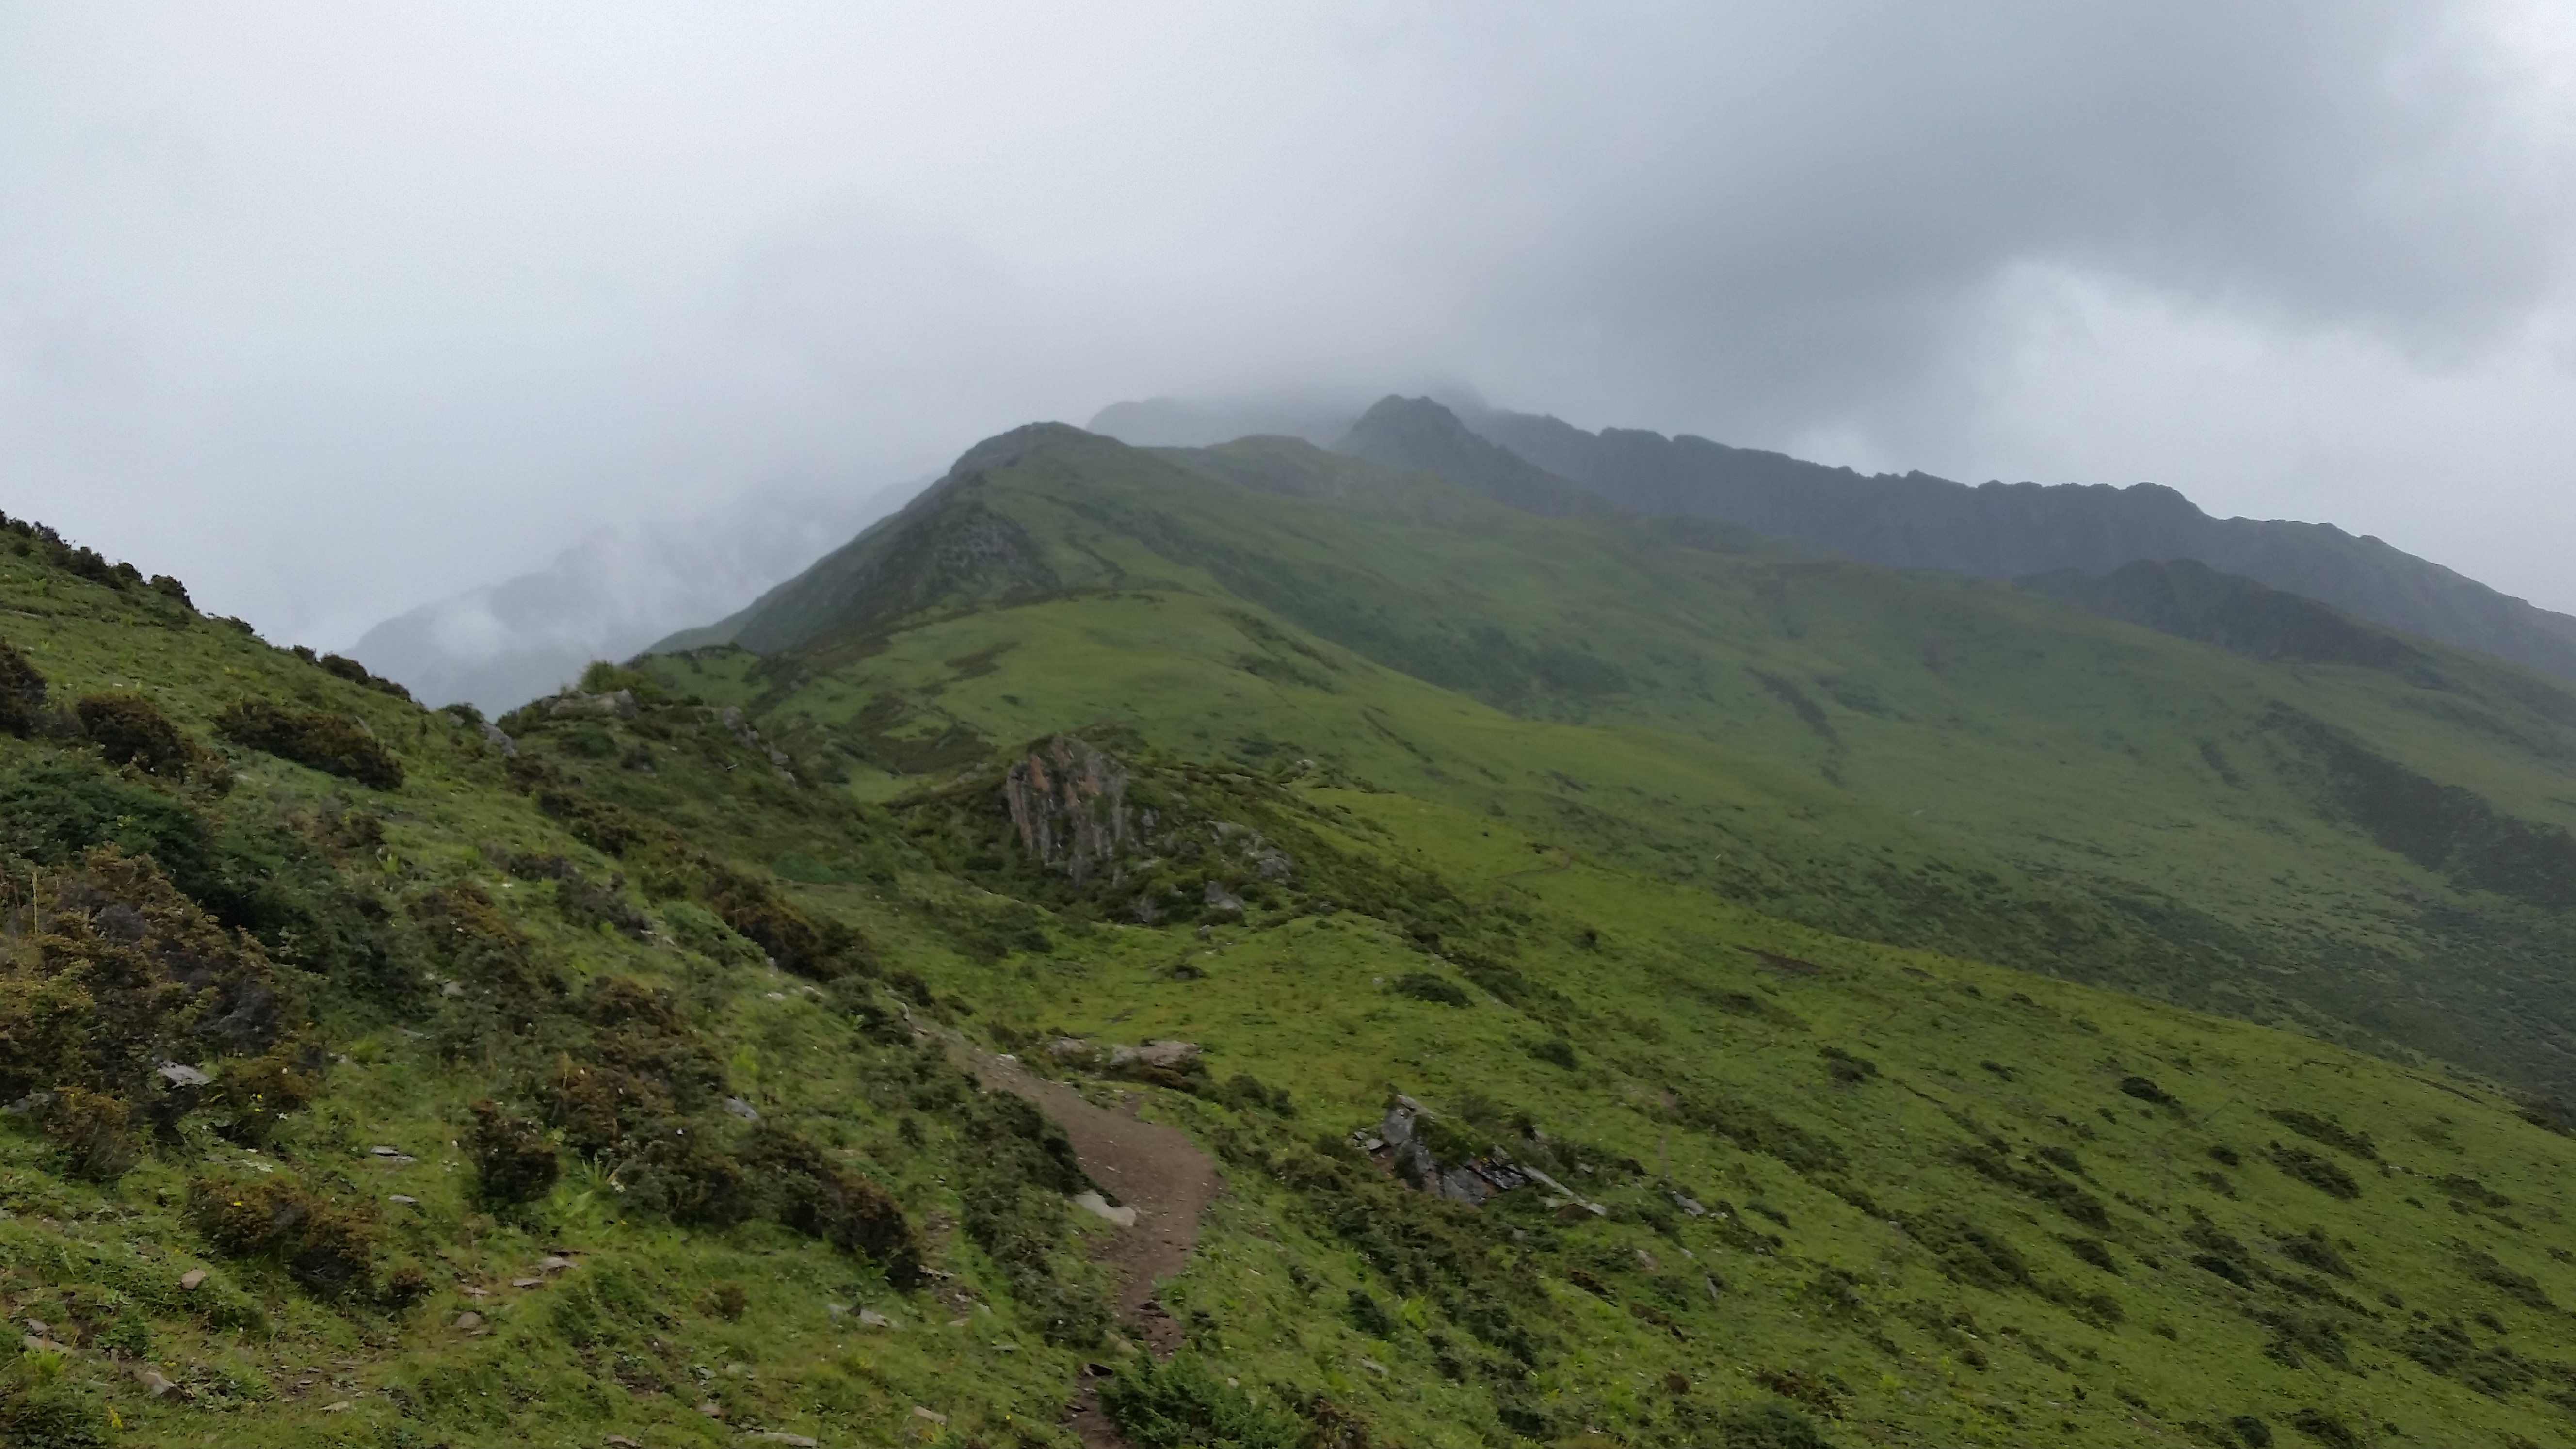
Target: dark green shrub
point(1424, 986)
point(92, 1132)
point(1967, 1251)
point(2095, 1252)
point(2325, 1428)
point(329, 1248)
point(819, 1198)
point(1772, 1425)
point(128, 974)
point(1368, 1315)
point(513, 1161)
point(1184, 1404)
point(2317, 1127)
point(2145, 1090)
point(726, 1300)
point(22, 692)
point(1556, 1052)
point(2251, 1432)
point(42, 1408)
point(129, 730)
point(2317, 1172)
point(334, 744)
point(795, 941)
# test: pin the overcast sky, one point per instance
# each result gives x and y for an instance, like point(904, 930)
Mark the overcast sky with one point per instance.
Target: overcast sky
point(331, 309)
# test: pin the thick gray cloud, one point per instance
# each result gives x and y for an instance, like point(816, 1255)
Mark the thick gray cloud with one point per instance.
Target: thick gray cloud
point(334, 309)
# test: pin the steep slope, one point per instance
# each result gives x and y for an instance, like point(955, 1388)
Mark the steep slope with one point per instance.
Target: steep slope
point(2005, 530)
point(1917, 759)
point(384, 1078)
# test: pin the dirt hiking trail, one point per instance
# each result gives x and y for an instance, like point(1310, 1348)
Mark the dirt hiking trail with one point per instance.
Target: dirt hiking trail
point(1155, 1170)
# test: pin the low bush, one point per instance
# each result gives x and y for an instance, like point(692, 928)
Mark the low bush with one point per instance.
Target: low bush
point(1424, 986)
point(1184, 1404)
point(2317, 1172)
point(513, 1161)
point(130, 730)
point(332, 743)
point(22, 692)
point(328, 1248)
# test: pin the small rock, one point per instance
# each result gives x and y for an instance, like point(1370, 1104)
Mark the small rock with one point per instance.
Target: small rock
point(1689, 1204)
point(1372, 1365)
point(335, 1408)
point(740, 1108)
point(473, 1292)
point(933, 1415)
point(1647, 1261)
point(527, 1282)
point(773, 996)
point(179, 1075)
point(874, 1319)
point(404, 1200)
point(781, 1436)
point(553, 1264)
point(622, 1442)
point(155, 1382)
point(469, 1320)
point(711, 1409)
point(1098, 1206)
point(189, 1280)
point(1172, 1054)
point(391, 1154)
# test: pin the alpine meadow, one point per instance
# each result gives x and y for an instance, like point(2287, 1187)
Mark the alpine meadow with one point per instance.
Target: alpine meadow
point(1273, 946)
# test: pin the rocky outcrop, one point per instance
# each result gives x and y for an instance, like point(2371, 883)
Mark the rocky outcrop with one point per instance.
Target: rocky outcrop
point(1403, 1145)
point(1069, 803)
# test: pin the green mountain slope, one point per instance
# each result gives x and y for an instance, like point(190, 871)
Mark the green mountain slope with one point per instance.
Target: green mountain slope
point(2007, 530)
point(378, 1077)
point(2374, 844)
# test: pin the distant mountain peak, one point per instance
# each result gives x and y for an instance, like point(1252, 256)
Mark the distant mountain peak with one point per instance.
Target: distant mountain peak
point(1419, 434)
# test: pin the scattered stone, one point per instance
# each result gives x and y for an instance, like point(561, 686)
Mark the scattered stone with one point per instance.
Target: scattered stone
point(156, 1383)
point(1689, 1205)
point(622, 1442)
point(1098, 1206)
point(1172, 1055)
point(406, 1201)
point(554, 1264)
point(1372, 1365)
point(874, 1319)
point(933, 1415)
point(189, 1280)
point(527, 1282)
point(469, 1320)
point(711, 1409)
point(335, 1408)
point(507, 746)
point(740, 1108)
point(471, 1291)
point(391, 1154)
point(781, 1436)
point(179, 1075)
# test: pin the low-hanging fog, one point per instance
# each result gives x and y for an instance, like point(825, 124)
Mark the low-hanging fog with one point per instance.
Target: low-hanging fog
point(333, 310)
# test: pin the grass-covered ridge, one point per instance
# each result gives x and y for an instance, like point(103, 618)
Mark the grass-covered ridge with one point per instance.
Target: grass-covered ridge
point(2376, 849)
point(607, 1075)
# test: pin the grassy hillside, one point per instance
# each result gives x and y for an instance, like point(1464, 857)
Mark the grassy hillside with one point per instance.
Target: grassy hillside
point(2372, 844)
point(380, 1078)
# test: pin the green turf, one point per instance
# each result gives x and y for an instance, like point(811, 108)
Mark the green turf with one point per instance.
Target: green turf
point(1941, 1201)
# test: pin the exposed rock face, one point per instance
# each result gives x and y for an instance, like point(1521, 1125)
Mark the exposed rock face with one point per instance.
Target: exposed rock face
point(1400, 1144)
point(1069, 803)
